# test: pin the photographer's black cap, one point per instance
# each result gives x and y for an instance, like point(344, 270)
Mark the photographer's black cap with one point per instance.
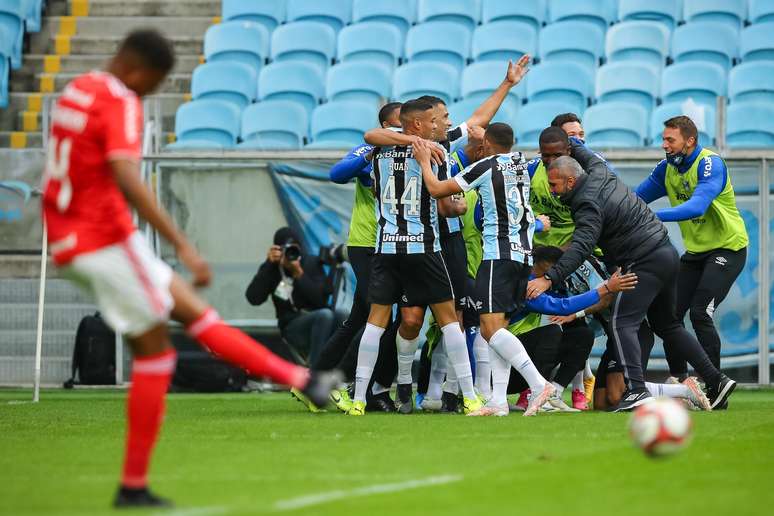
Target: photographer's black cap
point(283, 235)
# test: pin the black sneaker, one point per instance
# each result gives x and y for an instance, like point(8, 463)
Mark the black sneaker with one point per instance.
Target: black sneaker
point(404, 402)
point(632, 399)
point(320, 385)
point(132, 498)
point(450, 403)
point(380, 403)
point(718, 393)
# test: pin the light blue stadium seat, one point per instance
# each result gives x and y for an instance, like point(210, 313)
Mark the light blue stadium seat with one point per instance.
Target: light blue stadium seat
point(358, 81)
point(752, 82)
point(241, 41)
point(757, 42)
point(503, 40)
point(572, 42)
point(705, 41)
point(401, 14)
point(12, 14)
point(729, 12)
point(616, 124)
point(464, 12)
point(600, 13)
point(666, 111)
point(703, 82)
point(4, 73)
point(750, 124)
point(761, 11)
point(480, 79)
point(274, 124)
point(638, 41)
point(230, 81)
point(628, 82)
point(33, 14)
point(372, 42)
point(440, 41)
point(344, 121)
point(415, 79)
point(549, 82)
point(666, 12)
point(532, 12)
point(461, 111)
point(533, 117)
point(297, 81)
point(206, 124)
point(269, 13)
point(334, 13)
point(308, 41)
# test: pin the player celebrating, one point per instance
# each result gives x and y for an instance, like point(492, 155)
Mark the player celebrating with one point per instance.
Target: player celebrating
point(92, 177)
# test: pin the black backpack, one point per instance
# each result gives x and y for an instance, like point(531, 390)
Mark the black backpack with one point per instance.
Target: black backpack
point(94, 356)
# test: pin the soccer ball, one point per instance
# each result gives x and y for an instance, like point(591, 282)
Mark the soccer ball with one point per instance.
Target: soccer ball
point(661, 427)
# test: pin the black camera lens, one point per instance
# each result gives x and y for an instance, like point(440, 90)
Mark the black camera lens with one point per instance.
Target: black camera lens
point(292, 252)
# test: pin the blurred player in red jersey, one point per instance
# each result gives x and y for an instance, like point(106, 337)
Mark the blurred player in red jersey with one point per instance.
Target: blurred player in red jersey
point(92, 178)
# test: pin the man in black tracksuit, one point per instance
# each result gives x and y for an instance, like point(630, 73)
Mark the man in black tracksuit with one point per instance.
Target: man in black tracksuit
point(609, 215)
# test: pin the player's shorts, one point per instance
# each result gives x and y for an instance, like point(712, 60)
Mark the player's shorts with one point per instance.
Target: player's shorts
point(500, 286)
point(456, 257)
point(422, 278)
point(130, 283)
point(470, 311)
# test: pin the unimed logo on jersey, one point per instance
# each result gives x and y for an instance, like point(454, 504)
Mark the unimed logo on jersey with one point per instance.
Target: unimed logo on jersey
point(403, 238)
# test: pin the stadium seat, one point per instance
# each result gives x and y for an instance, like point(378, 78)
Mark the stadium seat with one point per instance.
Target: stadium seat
point(206, 123)
point(645, 42)
point(628, 82)
point(269, 13)
point(33, 14)
point(750, 124)
point(360, 81)
point(705, 122)
point(308, 41)
point(549, 82)
point(757, 42)
point(616, 124)
point(274, 124)
point(413, 80)
point(752, 82)
point(441, 41)
point(532, 12)
point(12, 20)
point(703, 82)
point(705, 41)
point(232, 82)
point(533, 117)
point(728, 12)
point(464, 12)
point(479, 80)
point(398, 13)
point(461, 111)
point(503, 40)
point(666, 12)
point(761, 11)
point(371, 42)
point(334, 13)
point(337, 123)
point(572, 42)
point(582, 10)
point(241, 41)
point(296, 81)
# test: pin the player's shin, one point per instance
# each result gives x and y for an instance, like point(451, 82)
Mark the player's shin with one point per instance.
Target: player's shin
point(457, 351)
point(366, 359)
point(483, 367)
point(512, 350)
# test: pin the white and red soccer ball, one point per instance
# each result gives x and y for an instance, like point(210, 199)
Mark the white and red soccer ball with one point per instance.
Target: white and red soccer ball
point(661, 427)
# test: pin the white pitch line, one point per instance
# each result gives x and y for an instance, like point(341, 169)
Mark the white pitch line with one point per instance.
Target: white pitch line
point(330, 496)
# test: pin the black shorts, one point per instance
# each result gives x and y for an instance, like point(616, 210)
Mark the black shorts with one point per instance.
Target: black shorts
point(470, 311)
point(422, 278)
point(456, 257)
point(500, 286)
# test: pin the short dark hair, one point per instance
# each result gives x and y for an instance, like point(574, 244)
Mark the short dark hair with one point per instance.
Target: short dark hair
point(414, 106)
point(500, 134)
point(151, 48)
point(553, 134)
point(685, 125)
point(432, 99)
point(387, 110)
point(564, 118)
point(546, 254)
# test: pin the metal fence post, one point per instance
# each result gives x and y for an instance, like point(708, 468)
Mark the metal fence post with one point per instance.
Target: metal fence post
point(763, 275)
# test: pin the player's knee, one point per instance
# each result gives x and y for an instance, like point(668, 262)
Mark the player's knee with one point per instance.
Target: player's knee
point(701, 314)
point(411, 323)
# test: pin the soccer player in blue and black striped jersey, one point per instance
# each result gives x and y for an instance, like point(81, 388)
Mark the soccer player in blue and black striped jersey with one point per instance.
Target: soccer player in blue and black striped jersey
point(502, 182)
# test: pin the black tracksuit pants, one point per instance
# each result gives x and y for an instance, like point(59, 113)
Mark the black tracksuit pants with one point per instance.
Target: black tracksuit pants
point(542, 345)
point(574, 349)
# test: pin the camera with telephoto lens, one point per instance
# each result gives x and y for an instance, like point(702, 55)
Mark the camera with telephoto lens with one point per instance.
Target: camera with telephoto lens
point(291, 251)
point(333, 254)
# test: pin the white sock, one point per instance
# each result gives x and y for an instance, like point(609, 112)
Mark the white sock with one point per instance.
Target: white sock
point(378, 388)
point(366, 359)
point(587, 371)
point(577, 382)
point(559, 389)
point(512, 350)
point(437, 373)
point(483, 368)
point(677, 390)
point(407, 349)
point(451, 386)
point(457, 351)
point(501, 373)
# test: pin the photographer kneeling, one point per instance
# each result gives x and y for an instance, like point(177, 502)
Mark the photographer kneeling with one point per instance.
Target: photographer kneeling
point(299, 288)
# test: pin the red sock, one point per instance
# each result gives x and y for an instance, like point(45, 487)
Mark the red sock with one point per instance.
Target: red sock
point(145, 411)
point(240, 350)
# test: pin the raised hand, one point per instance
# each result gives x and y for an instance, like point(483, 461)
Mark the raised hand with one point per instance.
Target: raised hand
point(516, 72)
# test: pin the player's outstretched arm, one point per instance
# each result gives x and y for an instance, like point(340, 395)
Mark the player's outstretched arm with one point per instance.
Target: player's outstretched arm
point(381, 137)
point(141, 198)
point(513, 76)
point(437, 189)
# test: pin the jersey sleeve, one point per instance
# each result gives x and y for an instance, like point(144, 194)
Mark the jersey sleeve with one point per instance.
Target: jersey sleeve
point(532, 166)
point(547, 304)
point(653, 186)
point(352, 165)
point(457, 137)
point(711, 180)
point(474, 175)
point(122, 127)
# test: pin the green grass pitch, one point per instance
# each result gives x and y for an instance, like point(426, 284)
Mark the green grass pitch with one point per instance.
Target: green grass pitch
point(263, 454)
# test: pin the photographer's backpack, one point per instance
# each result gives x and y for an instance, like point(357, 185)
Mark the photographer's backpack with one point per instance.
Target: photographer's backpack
point(94, 355)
